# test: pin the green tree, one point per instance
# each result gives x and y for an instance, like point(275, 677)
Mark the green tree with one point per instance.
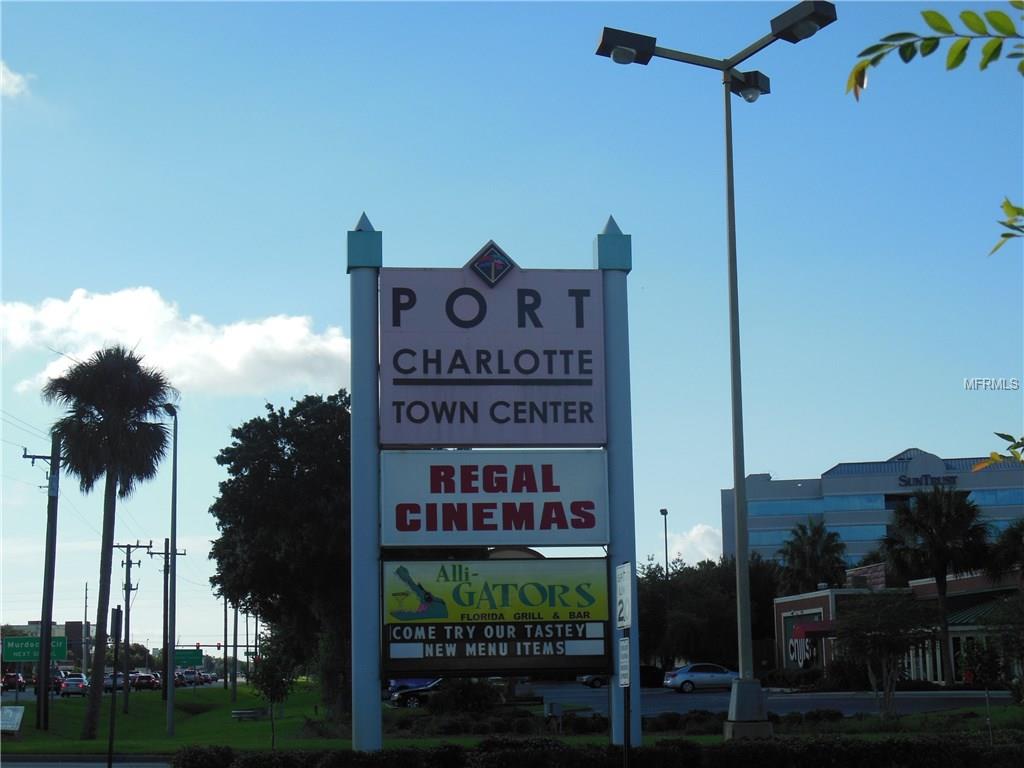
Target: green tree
point(697, 622)
point(110, 430)
point(283, 516)
point(876, 631)
point(1007, 553)
point(936, 533)
point(992, 30)
point(812, 555)
point(273, 674)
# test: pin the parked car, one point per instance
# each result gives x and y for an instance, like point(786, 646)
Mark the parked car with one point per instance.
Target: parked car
point(403, 684)
point(75, 684)
point(145, 682)
point(111, 680)
point(593, 681)
point(13, 681)
point(416, 697)
point(692, 676)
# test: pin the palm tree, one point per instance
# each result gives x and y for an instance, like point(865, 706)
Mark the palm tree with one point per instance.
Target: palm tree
point(1007, 553)
point(937, 532)
point(811, 556)
point(110, 403)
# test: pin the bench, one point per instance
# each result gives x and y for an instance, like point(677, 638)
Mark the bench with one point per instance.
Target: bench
point(248, 714)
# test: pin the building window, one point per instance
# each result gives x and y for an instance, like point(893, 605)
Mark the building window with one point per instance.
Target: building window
point(851, 533)
point(854, 502)
point(998, 497)
point(775, 508)
point(768, 538)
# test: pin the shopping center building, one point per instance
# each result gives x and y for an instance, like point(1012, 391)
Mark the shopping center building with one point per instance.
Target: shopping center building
point(856, 499)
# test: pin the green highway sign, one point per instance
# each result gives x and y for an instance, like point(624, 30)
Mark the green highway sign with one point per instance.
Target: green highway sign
point(27, 648)
point(188, 657)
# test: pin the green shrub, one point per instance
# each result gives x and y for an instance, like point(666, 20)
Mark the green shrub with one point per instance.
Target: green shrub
point(664, 721)
point(203, 757)
point(460, 695)
point(822, 716)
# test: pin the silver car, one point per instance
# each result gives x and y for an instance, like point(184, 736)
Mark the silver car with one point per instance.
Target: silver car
point(692, 676)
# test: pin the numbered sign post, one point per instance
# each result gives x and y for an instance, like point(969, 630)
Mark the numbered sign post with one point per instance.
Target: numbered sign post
point(623, 620)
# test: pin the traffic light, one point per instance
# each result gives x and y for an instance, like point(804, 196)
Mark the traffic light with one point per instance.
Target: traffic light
point(218, 646)
point(199, 645)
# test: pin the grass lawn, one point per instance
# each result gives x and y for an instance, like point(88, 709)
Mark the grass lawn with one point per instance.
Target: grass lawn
point(203, 717)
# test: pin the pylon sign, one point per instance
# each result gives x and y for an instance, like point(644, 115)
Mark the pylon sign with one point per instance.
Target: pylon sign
point(491, 355)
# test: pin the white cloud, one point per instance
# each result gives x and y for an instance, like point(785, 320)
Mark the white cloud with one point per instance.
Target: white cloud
point(701, 542)
point(247, 357)
point(11, 83)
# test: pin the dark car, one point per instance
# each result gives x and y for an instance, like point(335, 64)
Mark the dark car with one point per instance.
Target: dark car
point(57, 681)
point(413, 698)
point(593, 681)
point(146, 682)
point(405, 683)
point(13, 681)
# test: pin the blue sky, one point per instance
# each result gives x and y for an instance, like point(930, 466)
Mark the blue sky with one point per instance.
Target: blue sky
point(180, 177)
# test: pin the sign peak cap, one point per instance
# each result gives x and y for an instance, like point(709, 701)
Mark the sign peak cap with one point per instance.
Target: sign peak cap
point(364, 225)
point(611, 228)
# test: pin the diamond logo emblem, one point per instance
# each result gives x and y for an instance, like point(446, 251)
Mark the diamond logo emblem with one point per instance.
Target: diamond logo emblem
point(491, 263)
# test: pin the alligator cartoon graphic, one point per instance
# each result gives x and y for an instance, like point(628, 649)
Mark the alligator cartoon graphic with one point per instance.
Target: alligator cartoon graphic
point(430, 607)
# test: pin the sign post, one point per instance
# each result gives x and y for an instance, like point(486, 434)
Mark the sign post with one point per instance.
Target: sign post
point(623, 620)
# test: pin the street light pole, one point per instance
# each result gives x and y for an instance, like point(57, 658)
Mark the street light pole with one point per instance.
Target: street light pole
point(747, 715)
point(173, 571)
point(668, 589)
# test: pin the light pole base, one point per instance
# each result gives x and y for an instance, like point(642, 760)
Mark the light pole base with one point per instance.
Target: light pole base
point(758, 730)
point(748, 717)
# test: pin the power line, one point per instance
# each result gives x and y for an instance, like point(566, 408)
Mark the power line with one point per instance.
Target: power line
point(32, 431)
point(8, 414)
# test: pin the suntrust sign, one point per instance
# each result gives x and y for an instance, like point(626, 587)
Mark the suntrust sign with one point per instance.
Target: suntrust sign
point(488, 498)
point(467, 363)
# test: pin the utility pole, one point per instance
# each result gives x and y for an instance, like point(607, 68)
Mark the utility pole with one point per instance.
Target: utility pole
point(128, 589)
point(85, 629)
point(225, 642)
point(167, 666)
point(247, 651)
point(43, 680)
point(234, 663)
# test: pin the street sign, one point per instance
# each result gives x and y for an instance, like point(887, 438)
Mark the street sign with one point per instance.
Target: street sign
point(494, 498)
point(188, 657)
point(27, 648)
point(623, 595)
point(624, 662)
point(519, 363)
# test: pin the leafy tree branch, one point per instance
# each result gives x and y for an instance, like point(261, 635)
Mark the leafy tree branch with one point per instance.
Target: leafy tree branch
point(994, 31)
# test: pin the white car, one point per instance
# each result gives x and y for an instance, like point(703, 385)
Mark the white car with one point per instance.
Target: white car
point(692, 676)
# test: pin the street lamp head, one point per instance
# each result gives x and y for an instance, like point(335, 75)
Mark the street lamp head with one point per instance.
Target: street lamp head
point(625, 47)
point(803, 20)
point(664, 512)
point(749, 85)
point(171, 409)
point(623, 55)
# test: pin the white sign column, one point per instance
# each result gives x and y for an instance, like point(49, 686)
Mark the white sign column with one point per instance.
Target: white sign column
point(613, 256)
point(365, 257)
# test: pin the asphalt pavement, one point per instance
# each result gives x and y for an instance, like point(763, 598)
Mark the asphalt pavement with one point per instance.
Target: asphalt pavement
point(657, 700)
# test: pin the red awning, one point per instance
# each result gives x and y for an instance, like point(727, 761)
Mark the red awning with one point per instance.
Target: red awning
point(814, 628)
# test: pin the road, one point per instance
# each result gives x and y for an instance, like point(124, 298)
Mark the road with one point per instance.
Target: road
point(656, 700)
